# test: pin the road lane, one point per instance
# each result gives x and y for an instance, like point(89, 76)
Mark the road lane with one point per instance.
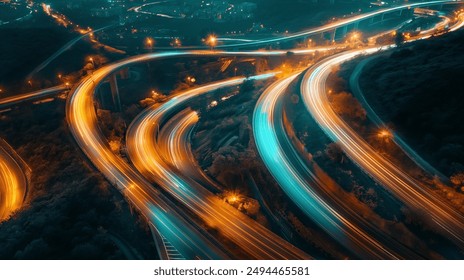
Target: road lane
point(13, 184)
point(156, 151)
point(424, 202)
point(309, 192)
point(82, 121)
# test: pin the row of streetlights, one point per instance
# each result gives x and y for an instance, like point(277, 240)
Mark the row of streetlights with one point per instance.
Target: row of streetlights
point(211, 41)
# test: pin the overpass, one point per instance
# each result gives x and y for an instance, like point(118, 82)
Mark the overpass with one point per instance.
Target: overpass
point(342, 26)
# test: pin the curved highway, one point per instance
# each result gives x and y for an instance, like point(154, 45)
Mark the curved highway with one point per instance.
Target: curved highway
point(189, 240)
point(8, 102)
point(82, 121)
point(308, 191)
point(177, 133)
point(13, 184)
point(151, 152)
point(432, 209)
point(338, 24)
point(249, 42)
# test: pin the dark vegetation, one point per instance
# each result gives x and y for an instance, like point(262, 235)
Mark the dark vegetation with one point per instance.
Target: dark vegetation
point(418, 89)
point(22, 50)
point(71, 211)
point(27, 44)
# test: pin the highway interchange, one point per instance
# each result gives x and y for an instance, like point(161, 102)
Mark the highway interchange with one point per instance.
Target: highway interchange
point(160, 153)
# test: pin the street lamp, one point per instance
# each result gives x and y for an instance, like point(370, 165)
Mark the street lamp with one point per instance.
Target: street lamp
point(384, 134)
point(176, 43)
point(310, 43)
point(211, 41)
point(149, 42)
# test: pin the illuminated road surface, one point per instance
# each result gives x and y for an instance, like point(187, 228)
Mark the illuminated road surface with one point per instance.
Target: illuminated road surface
point(13, 184)
point(177, 133)
point(309, 192)
point(82, 120)
point(430, 207)
point(32, 96)
point(251, 42)
point(190, 241)
point(338, 24)
point(459, 24)
point(155, 156)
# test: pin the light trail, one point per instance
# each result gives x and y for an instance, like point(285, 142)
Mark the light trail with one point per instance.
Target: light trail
point(82, 120)
point(309, 192)
point(162, 214)
point(155, 154)
point(432, 209)
point(13, 184)
point(10, 101)
point(63, 49)
point(338, 24)
point(459, 24)
point(249, 42)
point(188, 239)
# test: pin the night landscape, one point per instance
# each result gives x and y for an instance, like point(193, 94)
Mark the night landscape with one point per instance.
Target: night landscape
point(231, 130)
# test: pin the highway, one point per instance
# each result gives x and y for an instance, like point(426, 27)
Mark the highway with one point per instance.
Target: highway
point(310, 192)
point(460, 22)
point(173, 224)
point(251, 42)
point(422, 201)
point(11, 101)
point(13, 183)
point(337, 24)
point(156, 154)
point(177, 133)
point(188, 239)
point(82, 121)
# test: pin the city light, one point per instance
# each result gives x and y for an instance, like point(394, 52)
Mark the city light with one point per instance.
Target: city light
point(211, 41)
point(232, 130)
point(384, 133)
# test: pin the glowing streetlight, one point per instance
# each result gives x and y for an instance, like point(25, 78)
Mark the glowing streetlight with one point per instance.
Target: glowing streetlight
point(384, 134)
point(211, 41)
point(149, 42)
point(233, 197)
point(311, 43)
point(176, 43)
point(191, 79)
point(92, 61)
